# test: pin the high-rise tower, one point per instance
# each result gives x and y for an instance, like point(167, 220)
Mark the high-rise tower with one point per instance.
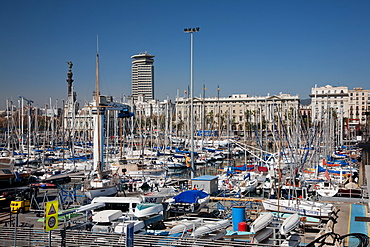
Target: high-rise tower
point(143, 76)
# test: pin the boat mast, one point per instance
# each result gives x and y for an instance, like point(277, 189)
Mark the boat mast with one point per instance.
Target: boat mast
point(8, 124)
point(98, 135)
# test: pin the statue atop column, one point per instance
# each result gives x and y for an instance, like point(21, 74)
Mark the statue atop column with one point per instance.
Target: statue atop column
point(70, 64)
point(69, 78)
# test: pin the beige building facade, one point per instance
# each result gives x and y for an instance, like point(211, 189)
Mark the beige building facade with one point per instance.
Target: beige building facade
point(237, 111)
point(349, 104)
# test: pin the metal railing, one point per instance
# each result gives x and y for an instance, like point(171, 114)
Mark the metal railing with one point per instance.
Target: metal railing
point(28, 236)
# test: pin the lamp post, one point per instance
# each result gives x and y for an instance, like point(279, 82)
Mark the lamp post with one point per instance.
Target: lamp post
point(192, 31)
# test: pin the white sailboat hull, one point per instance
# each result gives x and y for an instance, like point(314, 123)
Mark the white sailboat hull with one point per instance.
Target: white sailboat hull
point(303, 208)
point(91, 193)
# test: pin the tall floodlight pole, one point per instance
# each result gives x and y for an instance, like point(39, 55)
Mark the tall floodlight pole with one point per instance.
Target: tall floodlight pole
point(192, 31)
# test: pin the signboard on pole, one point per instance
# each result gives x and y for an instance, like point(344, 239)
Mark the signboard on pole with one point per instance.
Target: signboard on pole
point(51, 215)
point(130, 235)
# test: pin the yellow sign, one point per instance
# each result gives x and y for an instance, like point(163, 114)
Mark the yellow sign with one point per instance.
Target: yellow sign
point(51, 215)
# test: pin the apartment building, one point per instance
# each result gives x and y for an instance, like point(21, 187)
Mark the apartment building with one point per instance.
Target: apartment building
point(235, 111)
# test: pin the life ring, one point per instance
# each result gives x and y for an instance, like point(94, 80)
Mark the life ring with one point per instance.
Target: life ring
point(316, 186)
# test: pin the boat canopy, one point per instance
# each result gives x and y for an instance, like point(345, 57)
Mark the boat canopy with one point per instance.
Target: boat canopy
point(190, 196)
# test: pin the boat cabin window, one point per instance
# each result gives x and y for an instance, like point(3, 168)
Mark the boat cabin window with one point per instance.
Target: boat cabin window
point(124, 207)
point(6, 171)
point(326, 184)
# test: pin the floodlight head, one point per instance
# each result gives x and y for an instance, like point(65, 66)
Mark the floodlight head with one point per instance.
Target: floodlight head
point(191, 30)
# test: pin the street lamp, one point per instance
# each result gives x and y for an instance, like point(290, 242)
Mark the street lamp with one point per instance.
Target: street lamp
point(192, 31)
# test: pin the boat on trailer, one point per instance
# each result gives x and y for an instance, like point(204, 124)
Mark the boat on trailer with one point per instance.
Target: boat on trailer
point(301, 206)
point(190, 201)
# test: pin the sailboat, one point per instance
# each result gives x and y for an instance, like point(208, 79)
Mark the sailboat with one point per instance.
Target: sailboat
point(99, 186)
point(301, 206)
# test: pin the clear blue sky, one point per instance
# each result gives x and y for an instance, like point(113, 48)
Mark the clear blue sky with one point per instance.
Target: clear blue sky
point(253, 47)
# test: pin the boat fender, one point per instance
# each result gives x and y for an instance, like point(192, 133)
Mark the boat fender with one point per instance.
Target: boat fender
point(316, 186)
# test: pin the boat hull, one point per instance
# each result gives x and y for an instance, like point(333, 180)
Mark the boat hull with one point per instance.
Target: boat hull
point(352, 193)
point(91, 193)
point(289, 224)
point(306, 209)
point(261, 222)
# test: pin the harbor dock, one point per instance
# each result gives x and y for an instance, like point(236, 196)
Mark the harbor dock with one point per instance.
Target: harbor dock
point(30, 230)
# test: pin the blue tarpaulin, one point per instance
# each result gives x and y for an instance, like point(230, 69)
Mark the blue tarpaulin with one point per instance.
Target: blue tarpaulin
point(190, 196)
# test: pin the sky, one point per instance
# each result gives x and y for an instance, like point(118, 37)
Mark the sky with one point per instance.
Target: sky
point(254, 47)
